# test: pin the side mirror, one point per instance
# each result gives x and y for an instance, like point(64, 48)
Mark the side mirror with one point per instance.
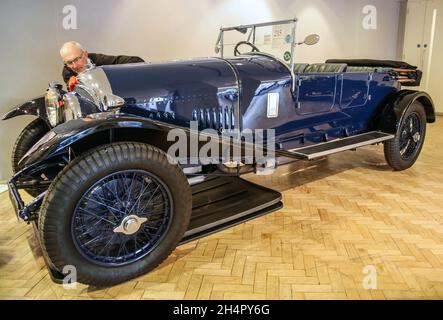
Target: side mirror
point(311, 39)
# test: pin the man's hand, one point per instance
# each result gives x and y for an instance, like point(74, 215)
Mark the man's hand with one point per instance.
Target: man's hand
point(72, 83)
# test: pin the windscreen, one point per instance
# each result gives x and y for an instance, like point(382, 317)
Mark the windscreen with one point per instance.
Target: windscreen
point(275, 40)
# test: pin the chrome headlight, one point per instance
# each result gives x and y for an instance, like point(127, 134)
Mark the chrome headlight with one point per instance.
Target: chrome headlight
point(53, 106)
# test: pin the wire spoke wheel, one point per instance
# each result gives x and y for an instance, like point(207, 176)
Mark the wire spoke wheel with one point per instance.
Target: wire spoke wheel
point(114, 213)
point(402, 151)
point(122, 217)
point(410, 136)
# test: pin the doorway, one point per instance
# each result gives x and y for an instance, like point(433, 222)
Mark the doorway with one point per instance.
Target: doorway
point(423, 45)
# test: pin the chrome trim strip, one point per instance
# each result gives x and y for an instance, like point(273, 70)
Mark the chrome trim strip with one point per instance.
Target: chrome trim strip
point(293, 44)
point(196, 180)
point(192, 170)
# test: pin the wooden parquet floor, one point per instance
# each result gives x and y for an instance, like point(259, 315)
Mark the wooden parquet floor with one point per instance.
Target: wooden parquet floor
point(341, 214)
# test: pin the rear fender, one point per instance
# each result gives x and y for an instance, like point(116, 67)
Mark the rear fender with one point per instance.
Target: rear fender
point(393, 110)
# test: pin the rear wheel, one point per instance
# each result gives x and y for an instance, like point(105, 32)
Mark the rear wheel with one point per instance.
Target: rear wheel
point(32, 133)
point(115, 213)
point(402, 151)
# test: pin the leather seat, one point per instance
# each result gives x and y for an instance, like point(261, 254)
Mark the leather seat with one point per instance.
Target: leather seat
point(300, 67)
point(326, 67)
point(368, 69)
point(361, 69)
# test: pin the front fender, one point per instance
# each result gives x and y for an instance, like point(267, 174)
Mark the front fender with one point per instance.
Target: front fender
point(57, 141)
point(34, 107)
point(394, 109)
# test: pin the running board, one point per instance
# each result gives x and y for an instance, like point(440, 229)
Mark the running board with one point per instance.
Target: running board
point(224, 201)
point(334, 146)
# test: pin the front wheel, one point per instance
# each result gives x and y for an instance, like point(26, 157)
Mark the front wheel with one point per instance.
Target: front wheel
point(402, 151)
point(30, 135)
point(115, 213)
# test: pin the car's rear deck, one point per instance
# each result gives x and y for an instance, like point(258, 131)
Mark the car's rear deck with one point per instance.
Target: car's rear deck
point(403, 72)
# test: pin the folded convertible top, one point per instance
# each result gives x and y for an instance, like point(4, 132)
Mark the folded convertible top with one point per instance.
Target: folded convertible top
point(373, 63)
point(405, 73)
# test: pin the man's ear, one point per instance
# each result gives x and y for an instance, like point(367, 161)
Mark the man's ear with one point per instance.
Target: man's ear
point(86, 54)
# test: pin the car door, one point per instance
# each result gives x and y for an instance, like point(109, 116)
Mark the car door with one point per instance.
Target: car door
point(317, 93)
point(355, 91)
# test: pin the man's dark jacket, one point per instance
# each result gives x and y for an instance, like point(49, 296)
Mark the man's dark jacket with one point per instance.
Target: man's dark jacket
point(101, 60)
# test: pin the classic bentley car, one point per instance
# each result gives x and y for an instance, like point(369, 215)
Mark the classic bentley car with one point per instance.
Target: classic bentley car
point(111, 201)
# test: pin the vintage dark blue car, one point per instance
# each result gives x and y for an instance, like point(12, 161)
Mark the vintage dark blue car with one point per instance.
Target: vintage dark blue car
point(112, 202)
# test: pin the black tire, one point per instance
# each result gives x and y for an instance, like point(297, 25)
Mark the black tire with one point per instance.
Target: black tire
point(60, 211)
point(27, 138)
point(402, 151)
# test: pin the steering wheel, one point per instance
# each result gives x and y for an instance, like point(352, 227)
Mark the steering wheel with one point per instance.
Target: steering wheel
point(237, 52)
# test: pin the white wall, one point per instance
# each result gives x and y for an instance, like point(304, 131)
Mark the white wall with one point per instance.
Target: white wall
point(28, 61)
point(171, 29)
point(434, 62)
point(424, 25)
point(31, 33)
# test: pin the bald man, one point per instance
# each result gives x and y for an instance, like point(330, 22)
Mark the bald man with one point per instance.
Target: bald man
point(77, 60)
